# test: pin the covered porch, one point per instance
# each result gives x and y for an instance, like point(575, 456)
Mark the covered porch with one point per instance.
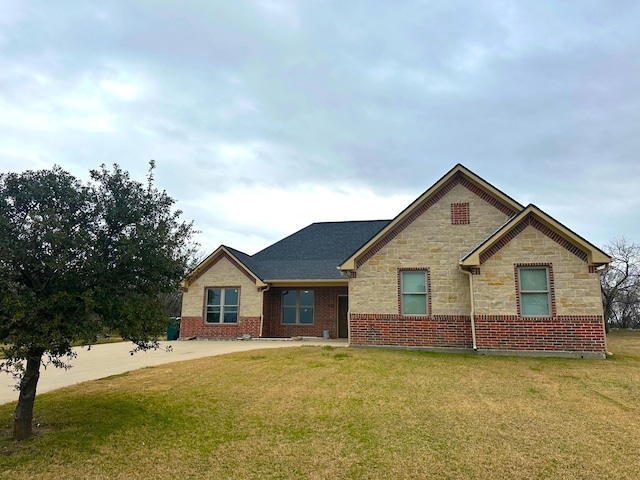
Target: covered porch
point(305, 309)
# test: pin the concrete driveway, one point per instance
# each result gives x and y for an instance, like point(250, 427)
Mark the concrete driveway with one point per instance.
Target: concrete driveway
point(114, 358)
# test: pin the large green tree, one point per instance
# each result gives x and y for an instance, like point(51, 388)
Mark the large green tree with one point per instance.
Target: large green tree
point(77, 259)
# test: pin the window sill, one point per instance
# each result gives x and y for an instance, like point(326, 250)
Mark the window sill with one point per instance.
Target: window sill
point(404, 316)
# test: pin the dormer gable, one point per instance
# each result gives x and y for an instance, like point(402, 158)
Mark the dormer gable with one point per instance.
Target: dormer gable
point(222, 252)
point(533, 216)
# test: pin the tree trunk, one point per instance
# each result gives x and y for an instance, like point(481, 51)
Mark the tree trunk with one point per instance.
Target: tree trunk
point(607, 301)
point(23, 414)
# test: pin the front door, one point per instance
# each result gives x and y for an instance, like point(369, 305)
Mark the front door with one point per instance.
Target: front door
point(343, 323)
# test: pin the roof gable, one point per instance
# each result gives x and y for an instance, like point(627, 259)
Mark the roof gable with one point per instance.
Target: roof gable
point(533, 216)
point(458, 175)
point(312, 253)
point(230, 254)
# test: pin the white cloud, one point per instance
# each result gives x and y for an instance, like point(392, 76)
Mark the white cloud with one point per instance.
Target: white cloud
point(284, 11)
point(123, 91)
point(333, 110)
point(265, 215)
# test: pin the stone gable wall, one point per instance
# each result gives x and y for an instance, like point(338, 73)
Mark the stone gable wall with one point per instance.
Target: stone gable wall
point(577, 291)
point(433, 242)
point(221, 274)
point(576, 323)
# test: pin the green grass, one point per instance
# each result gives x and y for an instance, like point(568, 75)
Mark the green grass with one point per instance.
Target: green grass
point(331, 413)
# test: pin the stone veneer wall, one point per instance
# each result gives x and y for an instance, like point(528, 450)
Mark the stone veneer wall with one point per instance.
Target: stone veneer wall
point(433, 242)
point(577, 324)
point(577, 291)
point(436, 240)
point(223, 273)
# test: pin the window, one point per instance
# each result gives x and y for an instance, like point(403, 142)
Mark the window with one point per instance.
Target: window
point(534, 292)
point(222, 305)
point(413, 289)
point(297, 307)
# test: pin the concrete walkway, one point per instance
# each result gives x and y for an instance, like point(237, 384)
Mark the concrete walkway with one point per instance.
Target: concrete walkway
point(114, 358)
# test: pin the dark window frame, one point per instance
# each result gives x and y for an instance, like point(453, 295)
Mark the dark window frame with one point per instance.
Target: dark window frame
point(222, 314)
point(298, 306)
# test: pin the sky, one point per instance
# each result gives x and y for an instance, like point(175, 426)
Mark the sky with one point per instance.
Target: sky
point(264, 116)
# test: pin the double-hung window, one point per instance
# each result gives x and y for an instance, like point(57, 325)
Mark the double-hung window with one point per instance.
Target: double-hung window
point(297, 307)
point(222, 305)
point(535, 298)
point(414, 293)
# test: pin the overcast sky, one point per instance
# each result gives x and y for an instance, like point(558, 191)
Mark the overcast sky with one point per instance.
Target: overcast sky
point(265, 116)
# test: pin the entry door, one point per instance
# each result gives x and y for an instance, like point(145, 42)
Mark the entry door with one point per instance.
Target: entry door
point(343, 323)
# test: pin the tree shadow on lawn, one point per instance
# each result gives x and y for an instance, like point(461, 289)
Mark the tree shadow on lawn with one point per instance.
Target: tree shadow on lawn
point(80, 423)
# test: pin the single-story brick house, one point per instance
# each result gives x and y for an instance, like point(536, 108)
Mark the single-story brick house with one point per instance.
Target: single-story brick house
point(463, 268)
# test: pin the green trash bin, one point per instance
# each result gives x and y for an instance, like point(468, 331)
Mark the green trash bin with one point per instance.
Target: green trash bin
point(173, 329)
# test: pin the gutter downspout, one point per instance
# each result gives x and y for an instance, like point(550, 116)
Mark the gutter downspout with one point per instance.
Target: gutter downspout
point(348, 274)
point(266, 289)
point(601, 272)
point(473, 308)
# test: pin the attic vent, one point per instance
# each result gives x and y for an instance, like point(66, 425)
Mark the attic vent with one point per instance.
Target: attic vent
point(460, 213)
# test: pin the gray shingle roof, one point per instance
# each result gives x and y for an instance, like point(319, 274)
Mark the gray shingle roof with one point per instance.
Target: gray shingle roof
point(312, 253)
point(246, 260)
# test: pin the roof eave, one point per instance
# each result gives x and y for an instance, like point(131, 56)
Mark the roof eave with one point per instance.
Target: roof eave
point(309, 282)
point(350, 264)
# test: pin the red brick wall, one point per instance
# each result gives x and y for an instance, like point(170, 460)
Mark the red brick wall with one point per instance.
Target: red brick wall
point(325, 314)
point(453, 331)
point(493, 332)
point(195, 327)
point(561, 334)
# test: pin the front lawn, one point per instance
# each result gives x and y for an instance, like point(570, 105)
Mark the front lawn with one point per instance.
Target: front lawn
point(325, 413)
